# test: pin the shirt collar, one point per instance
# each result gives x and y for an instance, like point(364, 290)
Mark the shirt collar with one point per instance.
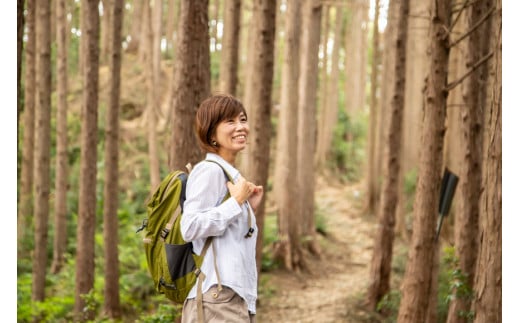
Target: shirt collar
point(232, 171)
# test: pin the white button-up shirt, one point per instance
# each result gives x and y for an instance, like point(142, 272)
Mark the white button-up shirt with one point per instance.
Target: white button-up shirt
point(206, 215)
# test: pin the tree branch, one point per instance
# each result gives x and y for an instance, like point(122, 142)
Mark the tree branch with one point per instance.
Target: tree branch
point(458, 15)
point(475, 26)
point(453, 84)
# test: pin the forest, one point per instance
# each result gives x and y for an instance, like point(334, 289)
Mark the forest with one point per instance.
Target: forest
point(375, 129)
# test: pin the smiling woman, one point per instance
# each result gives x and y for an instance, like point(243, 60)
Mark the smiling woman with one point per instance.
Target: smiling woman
point(220, 203)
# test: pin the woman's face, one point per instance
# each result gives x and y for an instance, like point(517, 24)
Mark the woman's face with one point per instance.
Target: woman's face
point(231, 135)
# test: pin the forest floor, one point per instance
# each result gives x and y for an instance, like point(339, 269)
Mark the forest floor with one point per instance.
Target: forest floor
point(334, 289)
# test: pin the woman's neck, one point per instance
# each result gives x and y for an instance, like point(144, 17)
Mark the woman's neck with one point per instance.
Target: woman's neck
point(230, 157)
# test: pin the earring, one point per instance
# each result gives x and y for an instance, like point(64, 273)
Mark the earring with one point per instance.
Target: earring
point(214, 143)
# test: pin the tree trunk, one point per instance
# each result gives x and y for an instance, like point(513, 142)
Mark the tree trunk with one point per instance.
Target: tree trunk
point(415, 75)
point(230, 42)
point(259, 92)
point(319, 155)
point(308, 85)
point(19, 44)
point(472, 116)
point(191, 81)
point(152, 71)
point(62, 158)
point(135, 31)
point(487, 304)
point(112, 305)
point(355, 62)
point(87, 185)
point(26, 203)
point(170, 26)
point(329, 115)
point(372, 181)
point(289, 247)
point(417, 283)
point(383, 247)
point(42, 148)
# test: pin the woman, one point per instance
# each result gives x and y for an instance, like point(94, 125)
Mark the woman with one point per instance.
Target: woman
point(220, 203)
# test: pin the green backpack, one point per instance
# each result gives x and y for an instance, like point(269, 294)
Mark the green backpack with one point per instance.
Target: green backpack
point(173, 265)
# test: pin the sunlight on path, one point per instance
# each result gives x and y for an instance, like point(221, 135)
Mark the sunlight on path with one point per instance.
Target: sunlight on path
point(337, 283)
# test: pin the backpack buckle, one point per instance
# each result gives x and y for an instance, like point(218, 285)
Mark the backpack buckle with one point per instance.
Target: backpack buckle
point(249, 233)
point(164, 233)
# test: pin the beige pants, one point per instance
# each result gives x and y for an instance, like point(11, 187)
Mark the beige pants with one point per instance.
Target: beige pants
point(226, 306)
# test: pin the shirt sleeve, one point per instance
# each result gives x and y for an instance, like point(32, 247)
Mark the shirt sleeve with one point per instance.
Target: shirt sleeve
point(203, 216)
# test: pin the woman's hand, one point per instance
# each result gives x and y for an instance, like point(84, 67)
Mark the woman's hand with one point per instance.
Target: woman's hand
point(241, 190)
point(256, 197)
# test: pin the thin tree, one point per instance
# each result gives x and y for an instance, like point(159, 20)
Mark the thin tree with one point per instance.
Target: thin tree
point(152, 86)
point(20, 24)
point(487, 304)
point(307, 124)
point(62, 158)
point(25, 204)
point(289, 248)
point(329, 113)
point(135, 29)
point(419, 281)
point(106, 22)
point(472, 116)
point(230, 45)
point(380, 269)
point(319, 155)
point(88, 171)
point(191, 81)
point(112, 306)
point(372, 189)
point(258, 104)
point(42, 181)
point(171, 24)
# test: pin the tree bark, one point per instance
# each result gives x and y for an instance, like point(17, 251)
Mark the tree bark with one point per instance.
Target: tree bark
point(135, 31)
point(383, 247)
point(62, 158)
point(308, 85)
point(191, 81)
point(417, 283)
point(88, 165)
point(259, 92)
point(319, 155)
point(472, 116)
point(372, 181)
point(487, 304)
point(42, 148)
point(26, 202)
point(289, 247)
point(112, 304)
point(19, 44)
point(230, 44)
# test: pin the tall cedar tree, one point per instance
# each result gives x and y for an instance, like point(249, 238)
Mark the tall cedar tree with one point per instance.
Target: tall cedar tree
point(230, 41)
point(191, 81)
point(308, 85)
point(25, 204)
point(288, 249)
point(380, 269)
point(42, 147)
point(62, 158)
point(20, 24)
point(88, 164)
point(487, 304)
point(112, 306)
point(372, 165)
point(319, 155)
point(472, 116)
point(418, 279)
point(258, 103)
point(152, 91)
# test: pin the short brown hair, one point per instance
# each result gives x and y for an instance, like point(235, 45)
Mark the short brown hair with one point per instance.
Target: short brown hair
point(210, 113)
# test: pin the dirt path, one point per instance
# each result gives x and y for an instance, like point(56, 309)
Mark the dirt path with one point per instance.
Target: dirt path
point(333, 291)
